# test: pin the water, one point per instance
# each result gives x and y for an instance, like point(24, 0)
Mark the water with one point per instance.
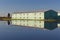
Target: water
point(11, 32)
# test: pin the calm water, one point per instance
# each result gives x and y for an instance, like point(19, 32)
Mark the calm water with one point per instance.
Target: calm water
point(9, 32)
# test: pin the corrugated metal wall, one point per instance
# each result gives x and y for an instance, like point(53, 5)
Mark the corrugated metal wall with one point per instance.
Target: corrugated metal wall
point(50, 14)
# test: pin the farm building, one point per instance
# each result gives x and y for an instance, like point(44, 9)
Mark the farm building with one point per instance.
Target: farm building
point(36, 19)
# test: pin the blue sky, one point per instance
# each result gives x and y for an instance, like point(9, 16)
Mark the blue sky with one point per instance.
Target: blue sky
point(28, 5)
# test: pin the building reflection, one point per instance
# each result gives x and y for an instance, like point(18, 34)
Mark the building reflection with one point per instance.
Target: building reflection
point(36, 24)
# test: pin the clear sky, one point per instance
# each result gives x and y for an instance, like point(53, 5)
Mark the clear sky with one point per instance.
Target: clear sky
point(28, 5)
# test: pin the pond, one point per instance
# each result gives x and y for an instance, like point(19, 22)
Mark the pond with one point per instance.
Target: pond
point(17, 32)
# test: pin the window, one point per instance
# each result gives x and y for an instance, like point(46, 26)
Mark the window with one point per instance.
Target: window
point(39, 17)
point(40, 21)
point(27, 17)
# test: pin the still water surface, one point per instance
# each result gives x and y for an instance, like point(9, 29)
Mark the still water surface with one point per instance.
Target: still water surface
point(10, 32)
